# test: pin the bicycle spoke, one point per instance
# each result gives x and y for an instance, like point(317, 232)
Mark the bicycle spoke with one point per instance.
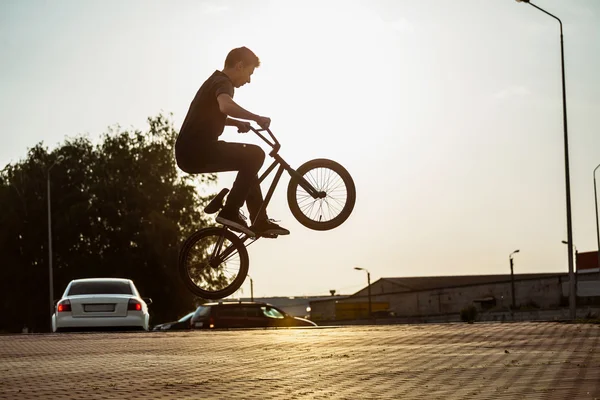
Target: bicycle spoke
point(331, 201)
point(215, 267)
point(322, 209)
point(217, 248)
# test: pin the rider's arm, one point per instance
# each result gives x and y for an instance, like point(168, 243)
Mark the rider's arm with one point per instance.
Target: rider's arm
point(230, 108)
point(232, 122)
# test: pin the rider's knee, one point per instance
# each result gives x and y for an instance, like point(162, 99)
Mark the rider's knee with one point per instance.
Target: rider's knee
point(256, 155)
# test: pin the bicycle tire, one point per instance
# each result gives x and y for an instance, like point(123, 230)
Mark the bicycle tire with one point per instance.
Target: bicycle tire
point(199, 245)
point(330, 177)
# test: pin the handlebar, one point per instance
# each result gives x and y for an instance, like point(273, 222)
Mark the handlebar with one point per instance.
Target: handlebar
point(275, 145)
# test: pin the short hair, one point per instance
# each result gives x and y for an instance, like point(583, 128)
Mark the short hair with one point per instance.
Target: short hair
point(242, 54)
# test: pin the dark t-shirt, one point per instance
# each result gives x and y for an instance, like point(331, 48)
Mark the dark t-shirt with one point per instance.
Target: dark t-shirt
point(204, 121)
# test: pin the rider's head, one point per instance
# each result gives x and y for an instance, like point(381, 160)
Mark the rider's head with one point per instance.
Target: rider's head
point(240, 64)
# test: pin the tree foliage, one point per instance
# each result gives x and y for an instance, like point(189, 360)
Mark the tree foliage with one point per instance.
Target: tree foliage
point(119, 208)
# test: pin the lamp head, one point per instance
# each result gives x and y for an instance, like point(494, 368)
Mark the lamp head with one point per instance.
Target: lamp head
point(358, 268)
point(522, 1)
point(58, 160)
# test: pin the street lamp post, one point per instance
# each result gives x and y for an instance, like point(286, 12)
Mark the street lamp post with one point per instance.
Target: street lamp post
point(566, 242)
point(50, 271)
point(368, 287)
point(576, 253)
point(597, 228)
point(512, 279)
point(567, 177)
point(251, 288)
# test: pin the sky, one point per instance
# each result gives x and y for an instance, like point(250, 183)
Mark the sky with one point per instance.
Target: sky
point(448, 115)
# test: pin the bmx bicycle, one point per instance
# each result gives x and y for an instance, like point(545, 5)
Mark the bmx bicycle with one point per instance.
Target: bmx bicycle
point(213, 261)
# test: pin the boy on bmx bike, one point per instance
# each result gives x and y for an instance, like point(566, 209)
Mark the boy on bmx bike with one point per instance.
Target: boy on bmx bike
point(199, 150)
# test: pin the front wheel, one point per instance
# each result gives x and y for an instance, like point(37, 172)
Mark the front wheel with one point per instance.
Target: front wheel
point(213, 263)
point(338, 195)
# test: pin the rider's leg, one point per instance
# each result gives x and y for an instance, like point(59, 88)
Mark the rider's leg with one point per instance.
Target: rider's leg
point(261, 224)
point(222, 156)
point(254, 202)
point(254, 199)
point(250, 159)
point(247, 159)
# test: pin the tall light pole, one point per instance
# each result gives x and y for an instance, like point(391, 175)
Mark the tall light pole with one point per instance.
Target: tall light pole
point(576, 253)
point(597, 229)
point(251, 288)
point(566, 242)
point(567, 178)
point(368, 287)
point(512, 279)
point(50, 272)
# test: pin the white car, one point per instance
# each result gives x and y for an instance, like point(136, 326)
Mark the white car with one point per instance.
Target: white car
point(101, 303)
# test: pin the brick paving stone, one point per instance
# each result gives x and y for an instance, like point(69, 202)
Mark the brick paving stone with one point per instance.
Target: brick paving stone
point(446, 361)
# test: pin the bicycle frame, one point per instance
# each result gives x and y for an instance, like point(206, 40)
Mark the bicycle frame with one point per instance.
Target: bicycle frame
point(210, 263)
point(218, 256)
point(278, 160)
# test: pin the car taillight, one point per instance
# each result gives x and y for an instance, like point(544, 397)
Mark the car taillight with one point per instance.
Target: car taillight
point(63, 306)
point(211, 322)
point(134, 305)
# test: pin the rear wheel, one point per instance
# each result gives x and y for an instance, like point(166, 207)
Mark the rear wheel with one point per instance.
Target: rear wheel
point(213, 263)
point(338, 195)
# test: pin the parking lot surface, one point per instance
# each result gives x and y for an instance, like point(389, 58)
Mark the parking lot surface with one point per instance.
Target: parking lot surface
point(449, 361)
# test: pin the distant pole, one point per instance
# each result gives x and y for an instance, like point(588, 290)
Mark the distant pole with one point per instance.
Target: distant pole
point(368, 287)
point(572, 306)
point(50, 271)
point(597, 228)
point(512, 285)
point(251, 290)
point(512, 280)
point(576, 253)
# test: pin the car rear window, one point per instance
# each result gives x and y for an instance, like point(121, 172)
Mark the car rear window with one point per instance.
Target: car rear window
point(272, 312)
point(185, 317)
point(99, 288)
point(201, 311)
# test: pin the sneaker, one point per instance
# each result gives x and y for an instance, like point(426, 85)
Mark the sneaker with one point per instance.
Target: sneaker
point(234, 220)
point(268, 228)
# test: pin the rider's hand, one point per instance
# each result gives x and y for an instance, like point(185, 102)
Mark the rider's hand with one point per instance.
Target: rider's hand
point(264, 122)
point(243, 126)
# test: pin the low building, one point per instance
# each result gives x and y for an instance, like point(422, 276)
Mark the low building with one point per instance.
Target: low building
point(444, 295)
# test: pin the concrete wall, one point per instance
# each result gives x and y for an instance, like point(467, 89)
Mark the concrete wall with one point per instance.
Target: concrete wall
point(323, 310)
point(543, 293)
point(560, 314)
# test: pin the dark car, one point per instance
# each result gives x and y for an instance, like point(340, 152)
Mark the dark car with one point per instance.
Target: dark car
point(243, 315)
point(181, 324)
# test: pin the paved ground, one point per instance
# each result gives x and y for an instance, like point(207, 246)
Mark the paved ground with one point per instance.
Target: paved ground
point(451, 361)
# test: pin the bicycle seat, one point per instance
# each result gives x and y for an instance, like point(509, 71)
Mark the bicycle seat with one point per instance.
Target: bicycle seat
point(268, 236)
point(217, 203)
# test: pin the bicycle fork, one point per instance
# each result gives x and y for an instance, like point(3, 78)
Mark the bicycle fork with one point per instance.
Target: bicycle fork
point(219, 255)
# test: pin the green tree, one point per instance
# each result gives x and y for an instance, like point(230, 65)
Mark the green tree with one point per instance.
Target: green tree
point(120, 208)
